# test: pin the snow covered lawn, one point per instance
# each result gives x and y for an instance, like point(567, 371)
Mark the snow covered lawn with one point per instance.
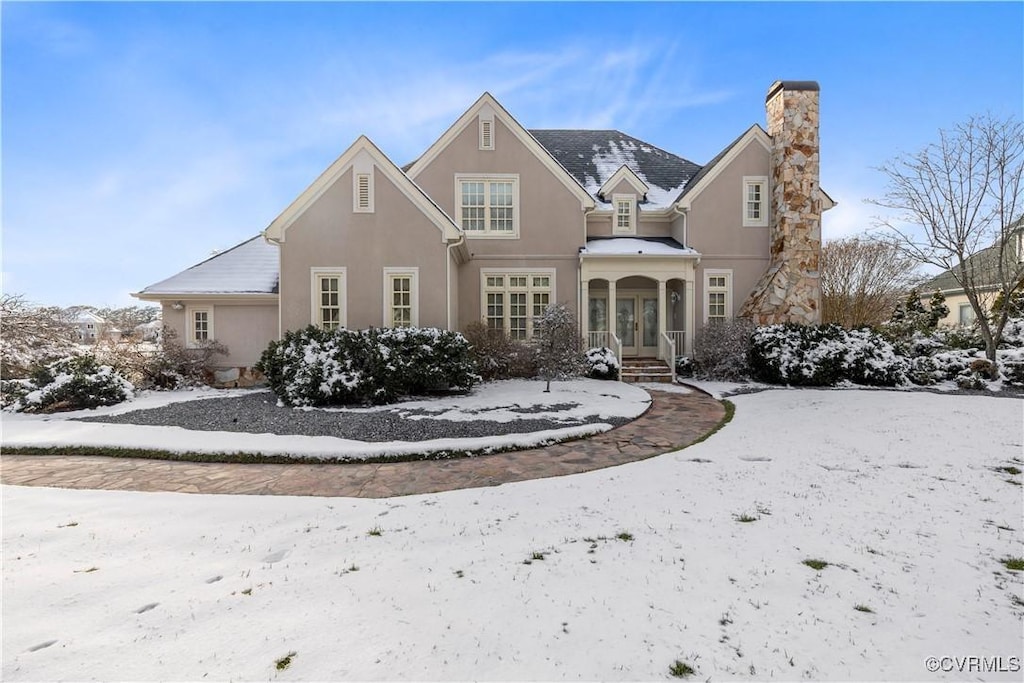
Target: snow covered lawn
point(613, 574)
point(504, 402)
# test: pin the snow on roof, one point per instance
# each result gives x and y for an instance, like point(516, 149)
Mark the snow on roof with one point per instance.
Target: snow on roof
point(88, 317)
point(248, 268)
point(594, 156)
point(636, 245)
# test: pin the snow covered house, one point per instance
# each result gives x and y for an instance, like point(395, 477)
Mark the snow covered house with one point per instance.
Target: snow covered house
point(493, 222)
point(90, 328)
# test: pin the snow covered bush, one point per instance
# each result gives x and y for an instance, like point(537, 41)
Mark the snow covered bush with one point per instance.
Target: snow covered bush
point(601, 363)
point(72, 383)
point(495, 356)
point(1011, 365)
point(684, 366)
point(316, 367)
point(824, 356)
point(556, 341)
point(720, 350)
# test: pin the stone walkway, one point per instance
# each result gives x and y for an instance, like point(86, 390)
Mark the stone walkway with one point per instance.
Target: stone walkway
point(673, 421)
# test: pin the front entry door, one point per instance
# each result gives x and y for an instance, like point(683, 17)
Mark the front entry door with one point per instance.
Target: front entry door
point(636, 324)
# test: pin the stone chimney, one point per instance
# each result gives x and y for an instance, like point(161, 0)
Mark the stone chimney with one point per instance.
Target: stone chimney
point(790, 290)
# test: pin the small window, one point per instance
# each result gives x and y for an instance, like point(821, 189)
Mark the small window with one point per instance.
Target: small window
point(717, 295)
point(967, 316)
point(200, 325)
point(625, 214)
point(363, 193)
point(486, 134)
point(401, 293)
point(328, 298)
point(755, 205)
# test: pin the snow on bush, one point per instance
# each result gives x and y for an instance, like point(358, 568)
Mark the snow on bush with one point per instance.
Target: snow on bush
point(720, 350)
point(824, 356)
point(72, 383)
point(601, 363)
point(315, 367)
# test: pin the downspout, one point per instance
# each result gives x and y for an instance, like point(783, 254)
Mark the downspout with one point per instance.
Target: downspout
point(270, 240)
point(582, 306)
point(448, 279)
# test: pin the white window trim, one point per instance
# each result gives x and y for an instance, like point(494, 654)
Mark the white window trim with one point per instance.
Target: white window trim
point(190, 325)
point(507, 272)
point(961, 309)
point(314, 291)
point(631, 198)
point(486, 121)
point(498, 177)
point(717, 272)
point(761, 180)
point(413, 273)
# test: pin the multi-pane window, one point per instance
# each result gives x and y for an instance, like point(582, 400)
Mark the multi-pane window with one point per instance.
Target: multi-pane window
point(200, 325)
point(717, 293)
point(401, 301)
point(513, 300)
point(488, 206)
point(755, 210)
point(624, 208)
point(329, 302)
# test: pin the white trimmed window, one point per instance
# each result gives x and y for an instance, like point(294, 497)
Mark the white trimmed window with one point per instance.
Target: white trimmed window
point(486, 133)
point(966, 315)
point(328, 298)
point(511, 301)
point(488, 207)
point(755, 201)
point(199, 323)
point(362, 192)
point(625, 214)
point(717, 295)
point(401, 297)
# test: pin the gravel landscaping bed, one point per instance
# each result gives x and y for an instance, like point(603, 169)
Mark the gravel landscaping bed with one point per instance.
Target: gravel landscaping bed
point(258, 413)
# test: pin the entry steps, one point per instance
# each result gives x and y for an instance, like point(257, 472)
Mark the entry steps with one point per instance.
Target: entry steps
point(645, 370)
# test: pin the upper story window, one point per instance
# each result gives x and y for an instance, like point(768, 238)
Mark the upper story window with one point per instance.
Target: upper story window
point(755, 201)
point(488, 206)
point(625, 214)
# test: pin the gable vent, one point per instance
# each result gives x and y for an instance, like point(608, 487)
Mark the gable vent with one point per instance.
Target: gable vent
point(364, 194)
point(486, 134)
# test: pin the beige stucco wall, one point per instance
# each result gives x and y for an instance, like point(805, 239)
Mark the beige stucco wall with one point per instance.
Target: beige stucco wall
point(954, 301)
point(245, 328)
point(328, 234)
point(551, 224)
point(715, 229)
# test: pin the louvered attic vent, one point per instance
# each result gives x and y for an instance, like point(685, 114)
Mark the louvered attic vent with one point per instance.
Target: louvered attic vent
point(486, 135)
point(363, 196)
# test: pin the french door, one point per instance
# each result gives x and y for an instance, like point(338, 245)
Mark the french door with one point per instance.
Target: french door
point(636, 323)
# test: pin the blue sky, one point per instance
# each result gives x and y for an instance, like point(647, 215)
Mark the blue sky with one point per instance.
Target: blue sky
point(139, 137)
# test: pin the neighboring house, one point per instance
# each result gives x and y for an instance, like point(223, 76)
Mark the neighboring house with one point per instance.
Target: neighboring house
point(983, 268)
point(90, 328)
point(493, 222)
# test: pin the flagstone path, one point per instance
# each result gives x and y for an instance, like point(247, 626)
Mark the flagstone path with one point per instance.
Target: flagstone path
point(673, 421)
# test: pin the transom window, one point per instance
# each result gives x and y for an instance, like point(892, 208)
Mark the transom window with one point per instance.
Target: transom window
point(511, 301)
point(488, 207)
point(755, 206)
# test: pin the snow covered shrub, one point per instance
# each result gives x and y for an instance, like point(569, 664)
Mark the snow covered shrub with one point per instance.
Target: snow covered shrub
point(556, 341)
point(1013, 333)
point(684, 366)
point(74, 383)
point(602, 364)
point(1011, 365)
point(13, 390)
point(721, 349)
point(824, 356)
point(912, 316)
point(315, 367)
point(498, 357)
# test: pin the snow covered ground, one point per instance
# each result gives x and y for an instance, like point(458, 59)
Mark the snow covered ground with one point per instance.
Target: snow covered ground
point(613, 574)
point(492, 401)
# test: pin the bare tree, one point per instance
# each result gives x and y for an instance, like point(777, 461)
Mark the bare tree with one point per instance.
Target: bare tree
point(30, 335)
point(958, 205)
point(862, 280)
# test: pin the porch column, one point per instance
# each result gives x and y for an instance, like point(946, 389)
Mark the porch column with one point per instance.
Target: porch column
point(613, 328)
point(585, 310)
point(690, 316)
point(662, 317)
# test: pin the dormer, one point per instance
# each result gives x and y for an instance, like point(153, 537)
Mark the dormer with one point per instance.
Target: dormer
point(625, 191)
point(623, 174)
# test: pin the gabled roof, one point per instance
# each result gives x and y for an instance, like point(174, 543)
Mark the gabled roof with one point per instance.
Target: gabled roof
point(449, 230)
point(594, 156)
point(697, 182)
point(247, 268)
point(85, 317)
point(487, 103)
point(624, 173)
